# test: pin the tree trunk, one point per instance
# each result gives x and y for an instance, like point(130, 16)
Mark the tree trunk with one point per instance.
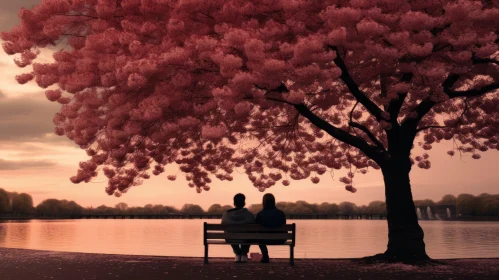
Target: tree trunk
point(405, 236)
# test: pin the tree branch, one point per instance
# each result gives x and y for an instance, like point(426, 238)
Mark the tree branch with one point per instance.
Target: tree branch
point(207, 15)
point(279, 100)
point(425, 106)
point(453, 78)
point(444, 126)
point(73, 35)
point(430, 126)
point(354, 88)
point(478, 60)
point(364, 129)
point(396, 104)
point(369, 134)
point(471, 92)
point(450, 81)
point(280, 89)
point(353, 109)
point(358, 142)
point(78, 15)
point(437, 47)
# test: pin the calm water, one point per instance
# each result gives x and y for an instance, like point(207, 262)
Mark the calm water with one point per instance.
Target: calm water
point(314, 238)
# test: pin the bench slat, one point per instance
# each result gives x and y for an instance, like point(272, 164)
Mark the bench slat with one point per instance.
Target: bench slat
point(222, 242)
point(249, 235)
point(247, 228)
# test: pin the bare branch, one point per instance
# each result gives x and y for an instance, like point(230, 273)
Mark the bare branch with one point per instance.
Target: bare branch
point(353, 109)
point(364, 129)
point(353, 87)
point(430, 126)
point(207, 15)
point(450, 81)
point(458, 121)
point(396, 104)
point(471, 92)
point(410, 124)
point(421, 110)
point(73, 35)
point(437, 47)
point(78, 15)
point(369, 134)
point(279, 100)
point(426, 105)
point(280, 89)
point(477, 60)
point(358, 142)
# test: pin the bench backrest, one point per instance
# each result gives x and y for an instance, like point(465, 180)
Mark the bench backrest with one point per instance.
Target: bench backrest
point(249, 232)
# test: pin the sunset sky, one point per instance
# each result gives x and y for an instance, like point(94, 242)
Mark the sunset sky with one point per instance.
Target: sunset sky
point(34, 160)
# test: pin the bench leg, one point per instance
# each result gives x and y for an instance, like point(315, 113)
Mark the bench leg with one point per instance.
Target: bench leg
point(292, 255)
point(206, 254)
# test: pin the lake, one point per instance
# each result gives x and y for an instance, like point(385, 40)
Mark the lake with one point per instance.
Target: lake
point(314, 238)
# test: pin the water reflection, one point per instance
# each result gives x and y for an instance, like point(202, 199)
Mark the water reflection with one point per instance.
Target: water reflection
point(17, 231)
point(315, 238)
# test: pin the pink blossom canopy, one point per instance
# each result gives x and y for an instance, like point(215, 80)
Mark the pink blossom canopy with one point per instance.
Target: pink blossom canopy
point(279, 89)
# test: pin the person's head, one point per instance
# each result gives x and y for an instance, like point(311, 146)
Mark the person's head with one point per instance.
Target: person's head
point(268, 201)
point(239, 200)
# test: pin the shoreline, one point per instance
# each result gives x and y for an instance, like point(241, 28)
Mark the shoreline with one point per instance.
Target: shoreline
point(201, 259)
point(26, 264)
point(460, 219)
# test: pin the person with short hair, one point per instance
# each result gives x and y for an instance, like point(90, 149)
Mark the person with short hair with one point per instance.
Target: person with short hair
point(270, 217)
point(239, 215)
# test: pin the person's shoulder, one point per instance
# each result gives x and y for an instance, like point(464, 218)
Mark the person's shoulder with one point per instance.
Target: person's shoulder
point(258, 215)
point(275, 209)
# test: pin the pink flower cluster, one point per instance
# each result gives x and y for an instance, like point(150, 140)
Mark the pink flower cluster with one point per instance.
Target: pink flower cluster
point(214, 86)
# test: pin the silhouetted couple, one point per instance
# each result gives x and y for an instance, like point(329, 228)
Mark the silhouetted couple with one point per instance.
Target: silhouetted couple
point(270, 217)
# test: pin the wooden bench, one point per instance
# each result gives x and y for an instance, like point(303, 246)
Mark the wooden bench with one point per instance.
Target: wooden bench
point(216, 234)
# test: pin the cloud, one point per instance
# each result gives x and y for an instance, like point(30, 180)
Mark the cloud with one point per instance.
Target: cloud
point(28, 118)
point(18, 165)
point(9, 11)
point(20, 150)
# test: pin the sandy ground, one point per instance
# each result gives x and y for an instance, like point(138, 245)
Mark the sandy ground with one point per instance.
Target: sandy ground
point(20, 264)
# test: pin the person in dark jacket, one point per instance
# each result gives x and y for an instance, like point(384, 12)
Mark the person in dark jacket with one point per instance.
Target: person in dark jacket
point(239, 215)
point(270, 217)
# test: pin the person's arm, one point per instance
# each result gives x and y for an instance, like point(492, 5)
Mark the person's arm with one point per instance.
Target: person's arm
point(283, 218)
point(258, 218)
point(224, 218)
point(252, 218)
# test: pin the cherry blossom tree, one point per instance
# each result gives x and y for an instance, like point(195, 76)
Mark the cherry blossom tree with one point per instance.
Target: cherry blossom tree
point(280, 89)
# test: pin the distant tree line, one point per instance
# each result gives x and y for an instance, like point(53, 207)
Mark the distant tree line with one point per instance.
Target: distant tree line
point(22, 204)
point(16, 203)
point(467, 204)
